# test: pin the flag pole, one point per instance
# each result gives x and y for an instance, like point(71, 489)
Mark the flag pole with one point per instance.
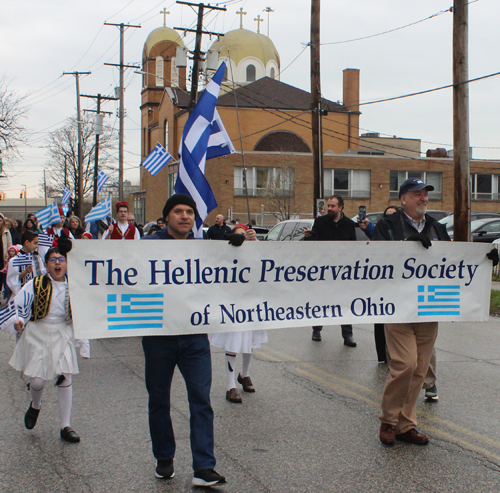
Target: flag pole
point(245, 185)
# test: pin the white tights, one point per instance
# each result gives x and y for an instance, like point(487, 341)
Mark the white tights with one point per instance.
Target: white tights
point(64, 396)
point(231, 364)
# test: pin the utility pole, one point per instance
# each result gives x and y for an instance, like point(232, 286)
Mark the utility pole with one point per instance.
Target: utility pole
point(122, 66)
point(316, 105)
point(461, 153)
point(99, 98)
point(79, 208)
point(45, 187)
point(197, 50)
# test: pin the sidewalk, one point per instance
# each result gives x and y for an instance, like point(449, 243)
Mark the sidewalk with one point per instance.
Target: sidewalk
point(495, 285)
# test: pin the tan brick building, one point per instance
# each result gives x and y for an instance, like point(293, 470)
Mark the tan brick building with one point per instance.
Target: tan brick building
point(271, 122)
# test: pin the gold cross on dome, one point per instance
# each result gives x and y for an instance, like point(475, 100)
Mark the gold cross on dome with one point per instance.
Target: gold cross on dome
point(165, 13)
point(259, 20)
point(241, 14)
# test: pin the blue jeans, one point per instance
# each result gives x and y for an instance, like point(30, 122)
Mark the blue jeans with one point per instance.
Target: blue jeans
point(191, 353)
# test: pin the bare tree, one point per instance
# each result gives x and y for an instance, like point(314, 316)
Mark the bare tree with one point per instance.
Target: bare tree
point(63, 149)
point(12, 112)
point(279, 197)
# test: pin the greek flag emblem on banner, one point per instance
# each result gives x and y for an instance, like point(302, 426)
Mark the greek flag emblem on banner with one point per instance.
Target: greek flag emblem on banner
point(438, 300)
point(135, 311)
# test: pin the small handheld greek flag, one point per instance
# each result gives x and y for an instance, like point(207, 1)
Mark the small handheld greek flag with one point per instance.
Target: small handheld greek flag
point(157, 159)
point(48, 216)
point(22, 260)
point(66, 196)
point(102, 178)
point(204, 137)
point(100, 211)
point(45, 240)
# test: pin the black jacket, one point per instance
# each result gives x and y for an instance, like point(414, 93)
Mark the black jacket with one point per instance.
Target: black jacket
point(392, 227)
point(326, 229)
point(216, 232)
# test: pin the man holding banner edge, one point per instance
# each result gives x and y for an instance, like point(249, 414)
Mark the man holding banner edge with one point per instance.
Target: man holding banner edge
point(191, 353)
point(410, 345)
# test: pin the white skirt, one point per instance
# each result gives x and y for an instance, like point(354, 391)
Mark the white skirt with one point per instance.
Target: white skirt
point(239, 342)
point(45, 350)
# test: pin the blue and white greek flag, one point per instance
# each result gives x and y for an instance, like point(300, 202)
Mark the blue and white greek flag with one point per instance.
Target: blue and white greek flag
point(45, 240)
point(102, 178)
point(66, 196)
point(204, 137)
point(22, 260)
point(48, 216)
point(100, 211)
point(157, 159)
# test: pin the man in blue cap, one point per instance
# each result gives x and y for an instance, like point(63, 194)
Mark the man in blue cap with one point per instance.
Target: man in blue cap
point(410, 345)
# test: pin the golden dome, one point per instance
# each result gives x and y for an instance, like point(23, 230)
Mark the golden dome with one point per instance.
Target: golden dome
point(159, 35)
point(242, 43)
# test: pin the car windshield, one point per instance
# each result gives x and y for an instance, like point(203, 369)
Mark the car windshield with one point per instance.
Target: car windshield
point(447, 221)
point(476, 226)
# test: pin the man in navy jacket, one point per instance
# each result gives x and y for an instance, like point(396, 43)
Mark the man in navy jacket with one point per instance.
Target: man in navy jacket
point(191, 353)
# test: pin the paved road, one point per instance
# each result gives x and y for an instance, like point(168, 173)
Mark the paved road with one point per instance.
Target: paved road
point(311, 426)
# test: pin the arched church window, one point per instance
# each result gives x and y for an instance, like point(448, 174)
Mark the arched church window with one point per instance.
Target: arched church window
point(159, 71)
point(272, 73)
point(250, 73)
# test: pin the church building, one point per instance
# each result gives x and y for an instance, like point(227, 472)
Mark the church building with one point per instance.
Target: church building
point(269, 123)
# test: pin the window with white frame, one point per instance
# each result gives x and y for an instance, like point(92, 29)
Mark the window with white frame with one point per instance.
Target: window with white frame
point(485, 186)
point(352, 183)
point(434, 178)
point(262, 181)
point(159, 71)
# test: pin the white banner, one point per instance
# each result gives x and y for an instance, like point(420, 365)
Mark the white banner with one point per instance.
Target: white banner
point(135, 288)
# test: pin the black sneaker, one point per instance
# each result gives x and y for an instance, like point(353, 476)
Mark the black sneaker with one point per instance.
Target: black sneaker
point(31, 417)
point(165, 469)
point(431, 395)
point(207, 477)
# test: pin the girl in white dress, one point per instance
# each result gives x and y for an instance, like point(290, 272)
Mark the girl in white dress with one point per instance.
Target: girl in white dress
point(239, 342)
point(46, 348)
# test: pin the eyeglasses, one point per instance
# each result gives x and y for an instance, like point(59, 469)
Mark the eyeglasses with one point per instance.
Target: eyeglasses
point(61, 260)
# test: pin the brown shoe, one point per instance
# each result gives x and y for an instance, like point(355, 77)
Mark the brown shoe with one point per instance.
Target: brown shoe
point(387, 434)
point(247, 383)
point(233, 396)
point(413, 436)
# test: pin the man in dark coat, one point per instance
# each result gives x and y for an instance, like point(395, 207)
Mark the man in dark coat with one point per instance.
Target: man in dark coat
point(410, 345)
point(191, 353)
point(334, 226)
point(219, 229)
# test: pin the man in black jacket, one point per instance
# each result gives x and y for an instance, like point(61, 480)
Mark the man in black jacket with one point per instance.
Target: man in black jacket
point(410, 345)
point(191, 353)
point(334, 226)
point(219, 229)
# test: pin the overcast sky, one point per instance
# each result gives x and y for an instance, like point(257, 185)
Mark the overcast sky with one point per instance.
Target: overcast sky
point(41, 40)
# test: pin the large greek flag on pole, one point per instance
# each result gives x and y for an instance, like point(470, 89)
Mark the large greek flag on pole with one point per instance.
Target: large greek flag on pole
point(204, 137)
point(66, 196)
point(102, 178)
point(48, 216)
point(100, 211)
point(157, 159)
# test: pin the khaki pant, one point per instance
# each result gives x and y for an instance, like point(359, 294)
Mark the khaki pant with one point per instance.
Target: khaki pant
point(410, 347)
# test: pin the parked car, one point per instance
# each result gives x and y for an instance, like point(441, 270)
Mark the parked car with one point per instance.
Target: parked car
point(448, 220)
point(289, 230)
point(483, 230)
